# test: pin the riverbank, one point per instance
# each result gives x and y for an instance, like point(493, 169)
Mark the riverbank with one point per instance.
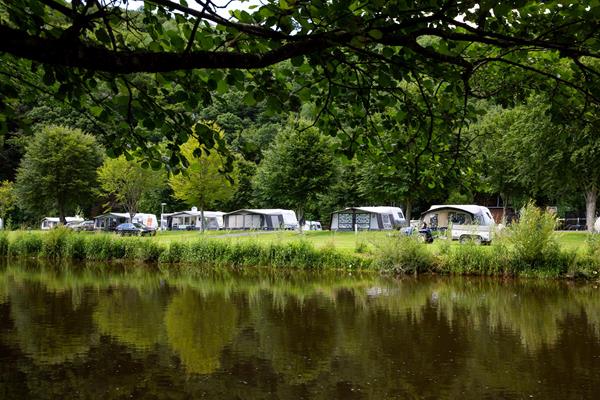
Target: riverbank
point(571, 255)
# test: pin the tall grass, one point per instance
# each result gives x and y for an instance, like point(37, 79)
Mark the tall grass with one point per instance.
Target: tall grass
point(403, 255)
point(297, 254)
point(63, 244)
point(3, 244)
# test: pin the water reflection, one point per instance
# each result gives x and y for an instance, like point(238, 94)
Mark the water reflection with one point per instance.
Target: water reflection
point(265, 333)
point(199, 327)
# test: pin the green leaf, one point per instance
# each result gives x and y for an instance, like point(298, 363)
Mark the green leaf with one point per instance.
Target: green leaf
point(249, 99)
point(375, 34)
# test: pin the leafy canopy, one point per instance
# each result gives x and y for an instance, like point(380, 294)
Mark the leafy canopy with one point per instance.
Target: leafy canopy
point(148, 71)
point(58, 171)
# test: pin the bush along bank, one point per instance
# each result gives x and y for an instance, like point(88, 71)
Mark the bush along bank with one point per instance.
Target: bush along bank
point(63, 244)
point(526, 248)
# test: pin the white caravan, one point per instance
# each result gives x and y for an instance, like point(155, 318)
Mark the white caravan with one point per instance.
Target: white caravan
point(51, 222)
point(464, 222)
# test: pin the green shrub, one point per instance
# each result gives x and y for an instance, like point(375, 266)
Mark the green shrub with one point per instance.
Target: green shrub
point(533, 239)
point(98, 247)
point(74, 247)
point(470, 259)
point(403, 255)
point(3, 244)
point(25, 244)
point(148, 250)
point(175, 253)
point(54, 242)
point(361, 247)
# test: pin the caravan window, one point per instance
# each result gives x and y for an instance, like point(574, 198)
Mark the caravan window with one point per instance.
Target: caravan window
point(345, 221)
point(363, 221)
point(460, 218)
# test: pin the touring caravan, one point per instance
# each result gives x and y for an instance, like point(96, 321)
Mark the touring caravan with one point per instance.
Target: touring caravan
point(52, 222)
point(464, 222)
point(265, 219)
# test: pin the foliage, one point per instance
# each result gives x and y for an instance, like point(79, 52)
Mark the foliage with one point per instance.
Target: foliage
point(471, 259)
point(58, 171)
point(3, 243)
point(533, 238)
point(26, 245)
point(128, 182)
point(295, 169)
point(203, 184)
point(149, 70)
point(8, 198)
point(403, 255)
point(55, 242)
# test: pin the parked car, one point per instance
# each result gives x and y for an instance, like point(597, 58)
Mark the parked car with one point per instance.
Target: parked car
point(72, 224)
point(83, 226)
point(134, 229)
point(312, 226)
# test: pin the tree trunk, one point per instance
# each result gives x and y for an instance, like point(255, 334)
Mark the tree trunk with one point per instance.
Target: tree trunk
point(300, 216)
point(408, 213)
point(61, 214)
point(201, 219)
point(503, 198)
point(591, 195)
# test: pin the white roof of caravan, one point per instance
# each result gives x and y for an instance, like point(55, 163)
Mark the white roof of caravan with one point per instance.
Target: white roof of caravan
point(115, 214)
point(197, 213)
point(68, 219)
point(123, 215)
point(469, 208)
point(263, 211)
point(374, 210)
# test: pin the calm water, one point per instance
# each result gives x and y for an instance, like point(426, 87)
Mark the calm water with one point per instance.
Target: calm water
point(92, 333)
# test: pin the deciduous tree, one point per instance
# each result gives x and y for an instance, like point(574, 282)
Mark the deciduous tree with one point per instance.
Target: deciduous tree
point(296, 168)
point(204, 183)
point(128, 182)
point(58, 171)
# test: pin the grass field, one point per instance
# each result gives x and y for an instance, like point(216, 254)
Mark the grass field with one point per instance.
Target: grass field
point(349, 242)
point(344, 241)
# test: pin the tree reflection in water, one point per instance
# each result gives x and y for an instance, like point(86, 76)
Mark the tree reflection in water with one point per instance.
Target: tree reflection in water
point(265, 333)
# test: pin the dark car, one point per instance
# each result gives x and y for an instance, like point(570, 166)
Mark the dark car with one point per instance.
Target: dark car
point(134, 229)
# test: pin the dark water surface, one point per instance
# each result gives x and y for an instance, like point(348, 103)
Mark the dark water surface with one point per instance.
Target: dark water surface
point(91, 333)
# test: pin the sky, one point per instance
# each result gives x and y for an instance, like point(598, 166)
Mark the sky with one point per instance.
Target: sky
point(233, 5)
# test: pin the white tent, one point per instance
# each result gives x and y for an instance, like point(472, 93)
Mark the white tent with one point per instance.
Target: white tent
point(367, 218)
point(265, 218)
point(192, 220)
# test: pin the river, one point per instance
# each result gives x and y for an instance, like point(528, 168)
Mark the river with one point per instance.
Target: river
point(100, 332)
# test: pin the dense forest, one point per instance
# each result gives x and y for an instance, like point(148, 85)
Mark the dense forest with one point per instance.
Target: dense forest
point(312, 106)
